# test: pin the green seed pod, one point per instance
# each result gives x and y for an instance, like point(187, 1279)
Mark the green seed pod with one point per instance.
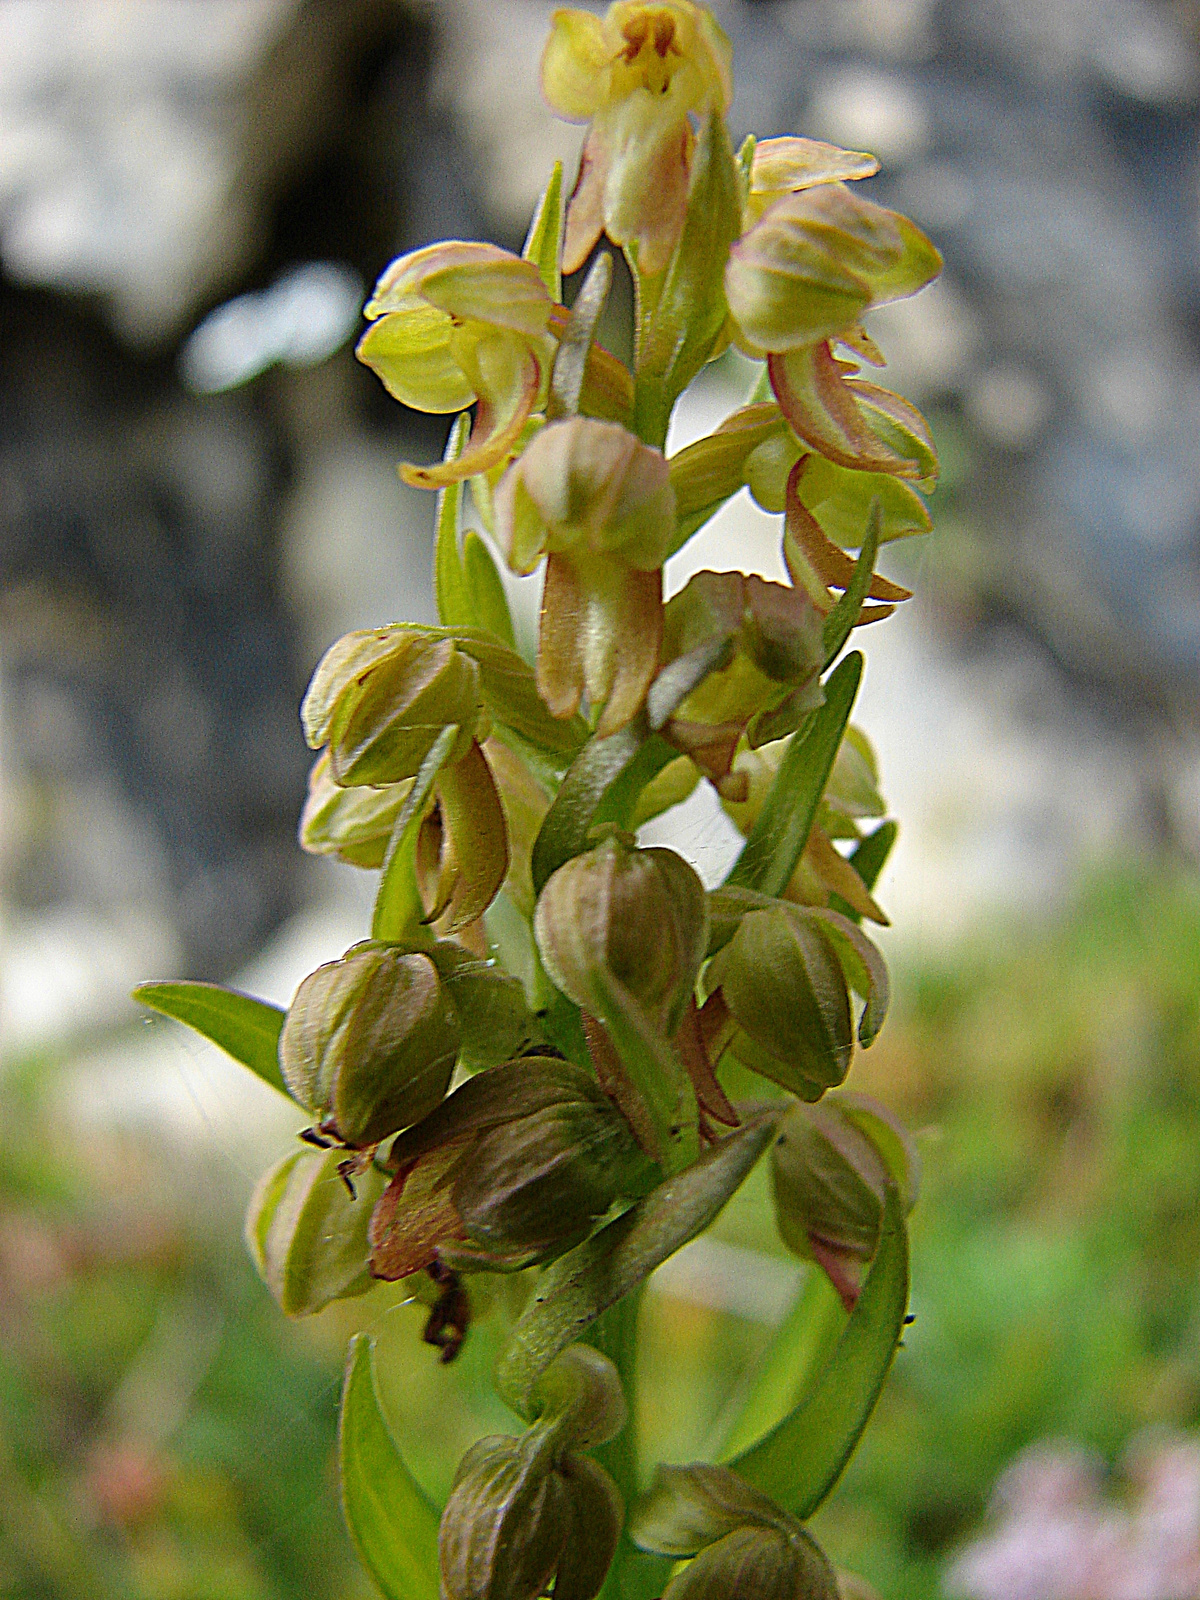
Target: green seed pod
point(380, 698)
point(757, 1563)
point(785, 988)
point(506, 1522)
point(369, 1043)
point(526, 1510)
point(830, 1167)
point(307, 1234)
point(533, 1183)
point(637, 916)
point(746, 1547)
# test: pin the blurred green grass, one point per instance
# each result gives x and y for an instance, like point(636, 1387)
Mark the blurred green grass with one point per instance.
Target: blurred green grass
point(165, 1435)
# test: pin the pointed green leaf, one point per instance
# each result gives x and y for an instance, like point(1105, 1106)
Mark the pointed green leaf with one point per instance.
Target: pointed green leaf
point(845, 614)
point(802, 1457)
point(391, 1521)
point(579, 1286)
point(399, 914)
point(570, 364)
point(799, 1351)
point(564, 830)
point(680, 324)
point(449, 580)
point(870, 857)
point(543, 242)
point(777, 839)
point(485, 591)
point(245, 1028)
point(655, 1070)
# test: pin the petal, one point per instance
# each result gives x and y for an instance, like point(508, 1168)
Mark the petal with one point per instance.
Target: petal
point(601, 630)
point(836, 873)
point(560, 660)
point(509, 382)
point(475, 843)
point(520, 529)
point(585, 208)
point(782, 166)
point(832, 565)
point(415, 1215)
point(468, 281)
point(621, 639)
point(854, 424)
point(899, 425)
point(646, 183)
point(410, 352)
point(573, 64)
point(841, 502)
point(716, 58)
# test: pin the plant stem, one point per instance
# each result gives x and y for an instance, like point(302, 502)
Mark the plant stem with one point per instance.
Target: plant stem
point(633, 1574)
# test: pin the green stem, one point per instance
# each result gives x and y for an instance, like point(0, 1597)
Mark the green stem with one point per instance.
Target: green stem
point(651, 409)
point(633, 1574)
point(614, 1334)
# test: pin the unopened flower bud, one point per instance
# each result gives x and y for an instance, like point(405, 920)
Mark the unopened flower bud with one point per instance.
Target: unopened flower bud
point(816, 261)
point(746, 1547)
point(308, 1234)
point(637, 916)
point(369, 1043)
point(757, 1563)
point(599, 503)
point(380, 698)
point(506, 1522)
point(830, 1167)
point(524, 1158)
point(785, 988)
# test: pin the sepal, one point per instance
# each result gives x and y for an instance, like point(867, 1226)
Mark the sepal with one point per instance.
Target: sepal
point(369, 1043)
point(306, 1232)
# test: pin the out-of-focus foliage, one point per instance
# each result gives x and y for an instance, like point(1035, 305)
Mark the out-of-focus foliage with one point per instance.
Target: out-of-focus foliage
point(1053, 1078)
point(162, 1435)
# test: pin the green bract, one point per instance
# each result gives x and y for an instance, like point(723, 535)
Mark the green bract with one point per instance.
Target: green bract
point(537, 1059)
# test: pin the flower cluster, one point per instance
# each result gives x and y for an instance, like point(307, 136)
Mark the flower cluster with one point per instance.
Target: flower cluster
point(557, 1051)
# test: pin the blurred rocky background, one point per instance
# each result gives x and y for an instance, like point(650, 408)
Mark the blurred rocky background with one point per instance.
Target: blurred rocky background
point(198, 494)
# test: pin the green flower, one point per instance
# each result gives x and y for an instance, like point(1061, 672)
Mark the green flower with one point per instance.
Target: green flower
point(637, 76)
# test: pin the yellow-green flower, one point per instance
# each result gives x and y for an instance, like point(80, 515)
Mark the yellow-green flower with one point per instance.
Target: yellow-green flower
point(454, 324)
point(784, 166)
point(599, 504)
point(636, 75)
point(798, 282)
